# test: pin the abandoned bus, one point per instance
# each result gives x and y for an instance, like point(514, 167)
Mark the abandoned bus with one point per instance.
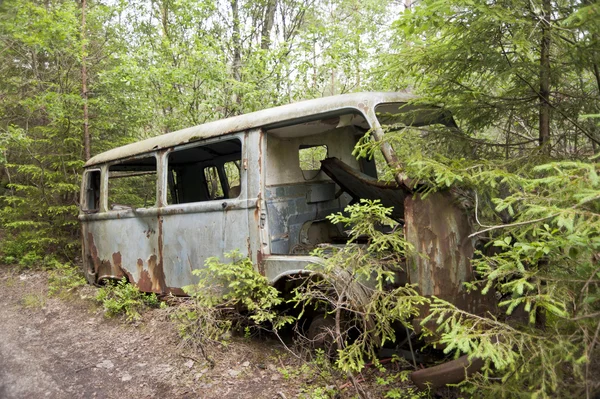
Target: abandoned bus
point(155, 210)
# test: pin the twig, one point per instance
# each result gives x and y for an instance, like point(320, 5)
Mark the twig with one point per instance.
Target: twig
point(412, 352)
point(587, 364)
point(285, 346)
point(501, 226)
point(84, 367)
point(526, 222)
point(586, 316)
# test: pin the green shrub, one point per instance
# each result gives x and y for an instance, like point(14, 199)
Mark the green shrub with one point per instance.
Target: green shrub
point(354, 285)
point(237, 285)
point(124, 298)
point(64, 278)
point(228, 296)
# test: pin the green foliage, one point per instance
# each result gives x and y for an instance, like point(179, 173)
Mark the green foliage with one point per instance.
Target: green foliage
point(198, 325)
point(34, 300)
point(237, 285)
point(318, 393)
point(64, 278)
point(538, 225)
point(227, 296)
point(123, 298)
point(39, 130)
point(311, 157)
point(133, 191)
point(406, 393)
point(356, 284)
point(184, 63)
point(483, 61)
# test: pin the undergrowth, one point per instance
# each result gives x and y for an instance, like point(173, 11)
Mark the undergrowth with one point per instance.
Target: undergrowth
point(63, 279)
point(228, 296)
point(122, 298)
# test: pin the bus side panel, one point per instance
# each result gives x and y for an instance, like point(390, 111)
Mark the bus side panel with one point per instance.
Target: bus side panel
point(118, 246)
point(191, 238)
point(195, 232)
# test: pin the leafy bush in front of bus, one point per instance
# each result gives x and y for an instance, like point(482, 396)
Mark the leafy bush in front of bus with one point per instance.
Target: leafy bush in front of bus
point(122, 298)
point(229, 296)
point(64, 278)
point(238, 287)
point(355, 287)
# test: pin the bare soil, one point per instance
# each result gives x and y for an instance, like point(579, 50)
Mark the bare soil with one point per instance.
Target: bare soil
point(57, 348)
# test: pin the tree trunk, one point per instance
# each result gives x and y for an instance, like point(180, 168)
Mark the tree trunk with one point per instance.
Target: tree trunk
point(164, 18)
point(237, 48)
point(544, 93)
point(265, 35)
point(84, 92)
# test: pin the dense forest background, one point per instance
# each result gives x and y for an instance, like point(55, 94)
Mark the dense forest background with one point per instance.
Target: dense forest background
point(522, 79)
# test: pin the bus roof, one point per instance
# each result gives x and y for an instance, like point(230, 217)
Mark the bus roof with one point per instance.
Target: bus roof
point(289, 114)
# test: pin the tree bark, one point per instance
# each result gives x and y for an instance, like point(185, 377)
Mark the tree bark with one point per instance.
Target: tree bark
point(237, 48)
point(544, 93)
point(265, 34)
point(84, 91)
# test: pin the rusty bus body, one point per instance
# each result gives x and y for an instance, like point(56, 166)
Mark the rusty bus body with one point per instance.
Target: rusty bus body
point(269, 208)
point(239, 184)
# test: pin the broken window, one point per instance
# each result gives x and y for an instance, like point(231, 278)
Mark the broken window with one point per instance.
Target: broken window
point(233, 174)
point(213, 183)
point(204, 172)
point(132, 184)
point(91, 201)
point(311, 156)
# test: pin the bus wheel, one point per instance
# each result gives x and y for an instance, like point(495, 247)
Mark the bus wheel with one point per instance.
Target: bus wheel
point(321, 333)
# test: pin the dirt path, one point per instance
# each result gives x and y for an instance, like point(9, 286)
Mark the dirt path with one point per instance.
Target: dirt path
point(52, 348)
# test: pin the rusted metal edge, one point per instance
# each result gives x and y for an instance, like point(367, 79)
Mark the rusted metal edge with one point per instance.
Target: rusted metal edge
point(360, 185)
point(451, 372)
point(291, 113)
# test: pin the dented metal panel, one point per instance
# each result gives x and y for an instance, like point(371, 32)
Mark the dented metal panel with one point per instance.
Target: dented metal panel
point(439, 229)
point(362, 186)
point(290, 206)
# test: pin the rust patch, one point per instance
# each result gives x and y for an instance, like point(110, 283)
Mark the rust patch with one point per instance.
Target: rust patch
point(144, 282)
point(439, 229)
point(117, 260)
point(93, 255)
point(102, 267)
point(260, 263)
point(120, 271)
point(451, 372)
point(130, 277)
point(156, 274)
point(105, 271)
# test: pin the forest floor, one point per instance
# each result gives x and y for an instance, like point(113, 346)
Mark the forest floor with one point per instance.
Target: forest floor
point(66, 348)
